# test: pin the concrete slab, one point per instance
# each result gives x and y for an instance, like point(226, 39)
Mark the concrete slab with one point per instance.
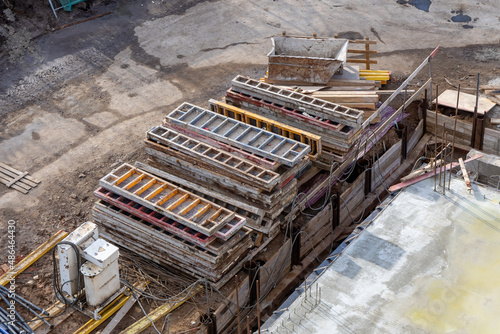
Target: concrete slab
point(237, 31)
point(45, 132)
point(427, 264)
point(135, 88)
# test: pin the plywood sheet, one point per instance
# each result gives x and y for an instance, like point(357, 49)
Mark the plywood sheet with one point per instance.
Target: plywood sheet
point(466, 102)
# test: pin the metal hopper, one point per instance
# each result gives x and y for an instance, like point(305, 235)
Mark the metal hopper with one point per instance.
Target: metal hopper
point(312, 60)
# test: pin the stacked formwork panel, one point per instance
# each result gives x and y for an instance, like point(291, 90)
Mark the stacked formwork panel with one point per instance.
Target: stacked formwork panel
point(164, 222)
point(338, 126)
point(247, 168)
point(211, 184)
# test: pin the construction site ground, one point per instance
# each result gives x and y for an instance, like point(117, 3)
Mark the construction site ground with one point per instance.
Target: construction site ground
point(77, 101)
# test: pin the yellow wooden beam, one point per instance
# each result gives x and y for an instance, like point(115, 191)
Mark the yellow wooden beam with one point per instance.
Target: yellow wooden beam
point(105, 314)
point(160, 312)
point(108, 311)
point(32, 257)
point(54, 310)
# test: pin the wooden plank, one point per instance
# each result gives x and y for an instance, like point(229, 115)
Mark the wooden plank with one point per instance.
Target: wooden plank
point(17, 178)
point(160, 312)
point(331, 83)
point(465, 174)
point(357, 105)
point(370, 93)
point(419, 132)
point(11, 182)
point(466, 101)
point(54, 318)
point(362, 41)
point(4, 180)
point(302, 89)
point(10, 169)
point(369, 88)
point(360, 61)
point(447, 167)
point(370, 52)
point(121, 313)
point(349, 99)
point(32, 257)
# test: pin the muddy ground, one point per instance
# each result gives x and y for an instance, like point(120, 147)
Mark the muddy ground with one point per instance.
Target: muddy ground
point(76, 102)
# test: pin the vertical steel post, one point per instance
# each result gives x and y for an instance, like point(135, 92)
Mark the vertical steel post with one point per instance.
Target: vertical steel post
point(237, 303)
point(258, 306)
point(474, 119)
point(435, 137)
point(480, 132)
point(454, 135)
point(295, 256)
point(253, 275)
point(442, 156)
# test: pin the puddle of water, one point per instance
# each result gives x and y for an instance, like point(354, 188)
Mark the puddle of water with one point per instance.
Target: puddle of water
point(461, 18)
point(419, 4)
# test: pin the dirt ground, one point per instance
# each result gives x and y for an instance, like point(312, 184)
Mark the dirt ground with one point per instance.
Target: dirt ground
point(76, 102)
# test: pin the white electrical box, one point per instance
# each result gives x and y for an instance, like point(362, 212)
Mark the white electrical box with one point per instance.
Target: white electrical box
point(82, 237)
point(101, 272)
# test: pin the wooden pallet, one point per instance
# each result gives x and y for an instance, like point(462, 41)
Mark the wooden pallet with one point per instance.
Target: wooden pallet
point(17, 180)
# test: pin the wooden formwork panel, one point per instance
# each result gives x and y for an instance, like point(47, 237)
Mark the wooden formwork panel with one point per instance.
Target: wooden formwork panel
point(239, 167)
point(344, 115)
point(174, 202)
point(162, 221)
point(271, 125)
point(140, 236)
point(491, 143)
point(239, 134)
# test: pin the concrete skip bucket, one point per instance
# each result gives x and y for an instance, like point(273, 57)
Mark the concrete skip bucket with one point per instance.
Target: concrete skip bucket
point(304, 59)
